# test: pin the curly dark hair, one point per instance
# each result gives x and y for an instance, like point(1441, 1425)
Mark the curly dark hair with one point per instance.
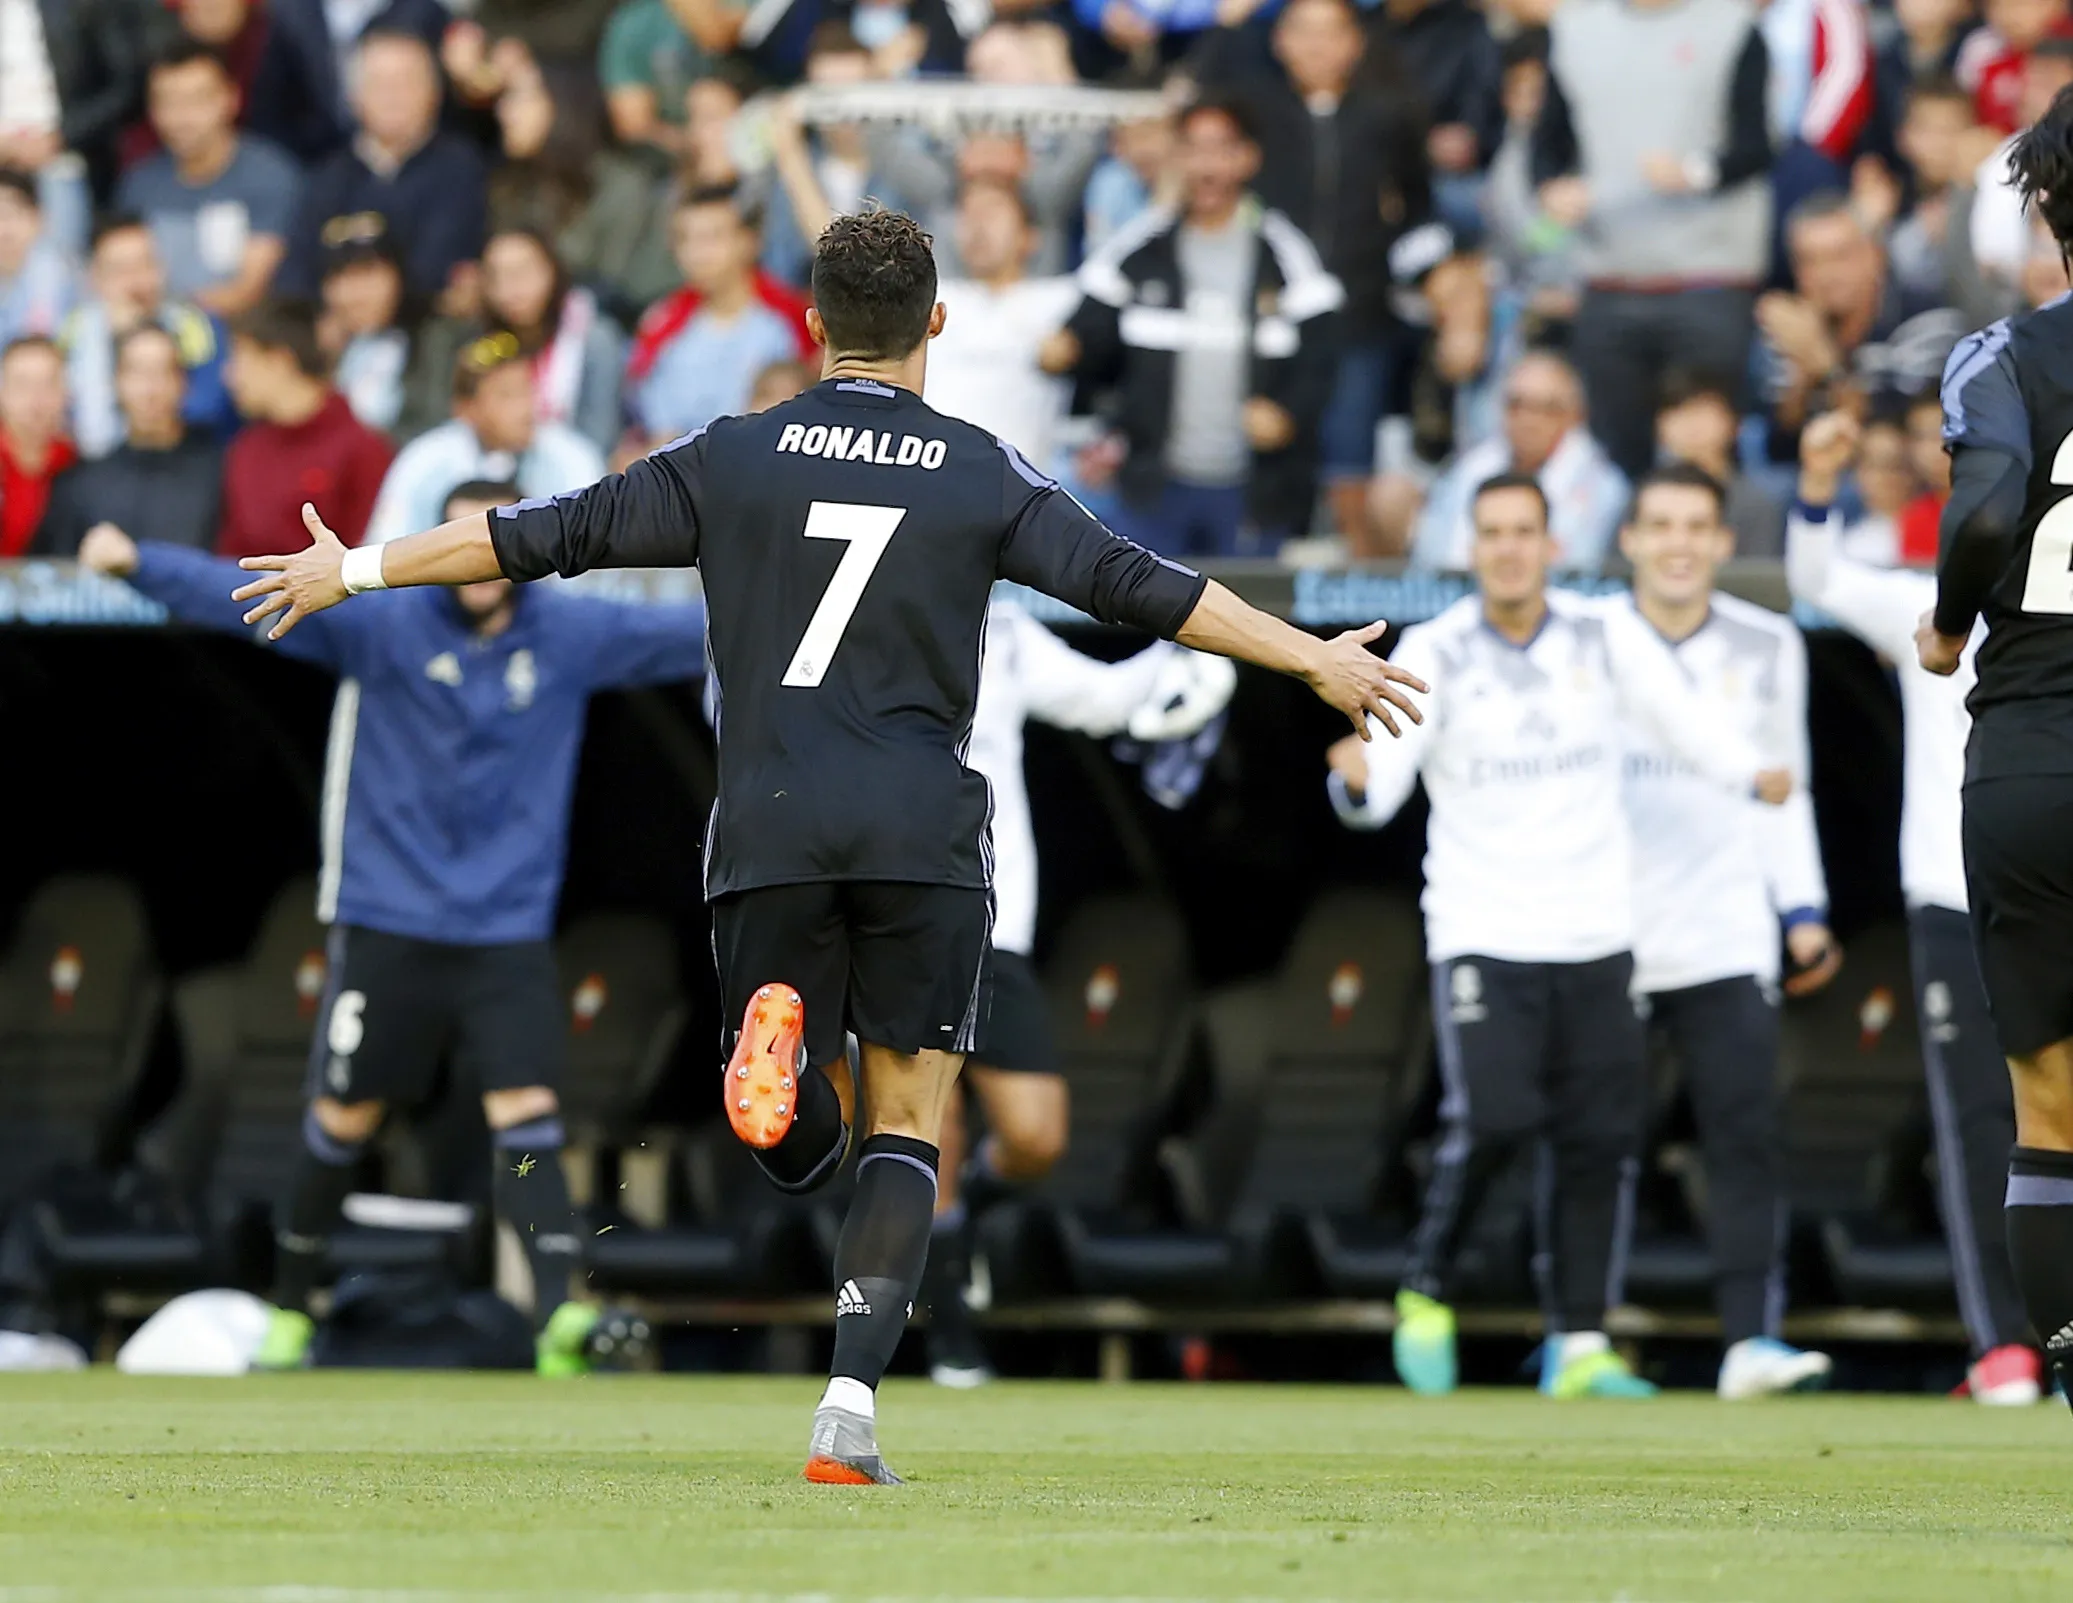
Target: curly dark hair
point(2041, 167)
point(874, 284)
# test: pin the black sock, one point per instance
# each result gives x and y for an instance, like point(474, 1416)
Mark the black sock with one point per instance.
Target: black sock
point(323, 1177)
point(980, 1183)
point(531, 1194)
point(2040, 1243)
point(878, 1262)
point(949, 1267)
point(811, 1150)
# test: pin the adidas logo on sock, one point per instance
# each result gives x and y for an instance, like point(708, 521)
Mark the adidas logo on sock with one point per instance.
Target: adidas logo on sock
point(849, 1300)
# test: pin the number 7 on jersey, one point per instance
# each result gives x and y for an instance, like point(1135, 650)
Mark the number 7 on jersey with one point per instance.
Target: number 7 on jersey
point(868, 530)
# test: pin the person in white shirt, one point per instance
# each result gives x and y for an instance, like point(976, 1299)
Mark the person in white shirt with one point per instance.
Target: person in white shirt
point(1529, 919)
point(1162, 693)
point(494, 435)
point(1970, 1102)
point(1715, 874)
point(983, 366)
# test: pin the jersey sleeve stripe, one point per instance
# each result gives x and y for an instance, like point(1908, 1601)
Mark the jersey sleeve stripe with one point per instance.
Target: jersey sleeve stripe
point(1971, 357)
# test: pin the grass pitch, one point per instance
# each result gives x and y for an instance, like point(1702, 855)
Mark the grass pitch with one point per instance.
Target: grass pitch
point(331, 1488)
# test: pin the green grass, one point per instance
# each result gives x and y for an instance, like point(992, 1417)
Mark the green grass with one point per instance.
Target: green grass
point(504, 1486)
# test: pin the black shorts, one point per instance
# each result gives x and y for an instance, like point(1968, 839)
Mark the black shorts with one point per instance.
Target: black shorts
point(395, 1007)
point(2019, 878)
point(1017, 1033)
point(903, 965)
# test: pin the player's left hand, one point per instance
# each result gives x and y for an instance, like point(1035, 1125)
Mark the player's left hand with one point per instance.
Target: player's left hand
point(1773, 787)
point(1348, 676)
point(305, 583)
point(1936, 651)
point(1816, 958)
point(1268, 427)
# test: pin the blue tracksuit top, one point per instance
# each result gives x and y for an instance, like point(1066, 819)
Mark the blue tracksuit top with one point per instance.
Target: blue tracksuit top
point(451, 760)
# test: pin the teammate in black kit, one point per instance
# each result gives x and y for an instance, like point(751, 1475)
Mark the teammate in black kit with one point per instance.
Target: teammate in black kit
point(849, 540)
point(2008, 553)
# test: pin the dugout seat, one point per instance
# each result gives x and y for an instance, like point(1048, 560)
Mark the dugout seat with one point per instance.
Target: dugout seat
point(1856, 1131)
point(79, 999)
point(1120, 991)
point(1320, 1068)
point(229, 1142)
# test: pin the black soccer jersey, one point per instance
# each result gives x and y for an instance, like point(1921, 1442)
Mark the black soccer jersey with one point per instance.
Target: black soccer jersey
point(2008, 389)
point(848, 540)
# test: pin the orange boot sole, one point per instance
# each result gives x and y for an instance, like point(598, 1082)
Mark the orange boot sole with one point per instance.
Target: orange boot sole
point(762, 1084)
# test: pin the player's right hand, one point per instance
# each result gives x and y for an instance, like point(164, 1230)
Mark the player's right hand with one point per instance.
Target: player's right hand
point(106, 549)
point(1348, 676)
point(305, 583)
point(1773, 786)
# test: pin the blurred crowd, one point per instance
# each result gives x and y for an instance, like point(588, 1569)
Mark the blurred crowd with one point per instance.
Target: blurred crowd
point(1324, 268)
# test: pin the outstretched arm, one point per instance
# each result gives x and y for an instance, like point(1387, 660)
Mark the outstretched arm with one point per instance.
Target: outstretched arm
point(326, 572)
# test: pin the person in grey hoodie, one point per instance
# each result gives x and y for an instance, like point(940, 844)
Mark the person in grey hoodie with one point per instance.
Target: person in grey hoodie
point(1654, 146)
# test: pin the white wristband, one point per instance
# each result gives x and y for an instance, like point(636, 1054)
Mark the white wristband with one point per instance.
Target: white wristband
point(361, 570)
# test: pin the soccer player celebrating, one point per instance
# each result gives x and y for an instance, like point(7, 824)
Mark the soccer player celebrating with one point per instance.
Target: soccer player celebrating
point(1969, 1100)
point(1529, 924)
point(849, 541)
point(1714, 875)
point(2007, 543)
point(1028, 672)
point(445, 827)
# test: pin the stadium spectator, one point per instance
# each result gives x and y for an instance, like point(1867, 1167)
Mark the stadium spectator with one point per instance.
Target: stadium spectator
point(1476, 336)
point(821, 171)
point(1538, 255)
point(1219, 376)
point(779, 382)
point(302, 442)
point(551, 130)
point(925, 173)
point(1993, 59)
point(1937, 140)
point(1697, 425)
point(647, 62)
point(1930, 465)
point(698, 351)
point(1922, 48)
point(128, 290)
point(38, 284)
point(576, 352)
point(1342, 156)
point(299, 98)
point(165, 476)
point(1821, 88)
point(33, 447)
point(984, 366)
point(71, 77)
point(1846, 327)
point(1445, 49)
point(430, 186)
point(1999, 230)
point(368, 318)
point(1138, 172)
point(624, 243)
point(494, 434)
point(1544, 434)
point(237, 31)
point(547, 30)
point(1142, 33)
point(219, 203)
point(1654, 146)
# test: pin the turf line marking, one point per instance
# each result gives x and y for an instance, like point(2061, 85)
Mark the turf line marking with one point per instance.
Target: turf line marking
point(339, 1594)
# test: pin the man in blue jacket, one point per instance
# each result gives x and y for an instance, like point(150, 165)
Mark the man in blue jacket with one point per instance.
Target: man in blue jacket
point(445, 824)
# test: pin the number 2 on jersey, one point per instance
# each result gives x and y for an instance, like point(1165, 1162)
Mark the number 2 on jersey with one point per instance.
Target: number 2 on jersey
point(868, 530)
point(2048, 586)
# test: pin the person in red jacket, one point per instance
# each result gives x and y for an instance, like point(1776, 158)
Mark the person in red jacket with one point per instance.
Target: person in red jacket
point(303, 443)
point(33, 447)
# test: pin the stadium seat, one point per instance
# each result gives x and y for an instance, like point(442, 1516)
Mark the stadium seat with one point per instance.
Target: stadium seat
point(228, 1143)
point(1854, 1130)
point(1121, 994)
point(79, 998)
point(1322, 1067)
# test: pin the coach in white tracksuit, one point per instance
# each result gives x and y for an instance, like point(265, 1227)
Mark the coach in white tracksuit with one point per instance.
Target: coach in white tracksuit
point(1529, 918)
point(1028, 672)
point(1715, 877)
point(1970, 1102)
